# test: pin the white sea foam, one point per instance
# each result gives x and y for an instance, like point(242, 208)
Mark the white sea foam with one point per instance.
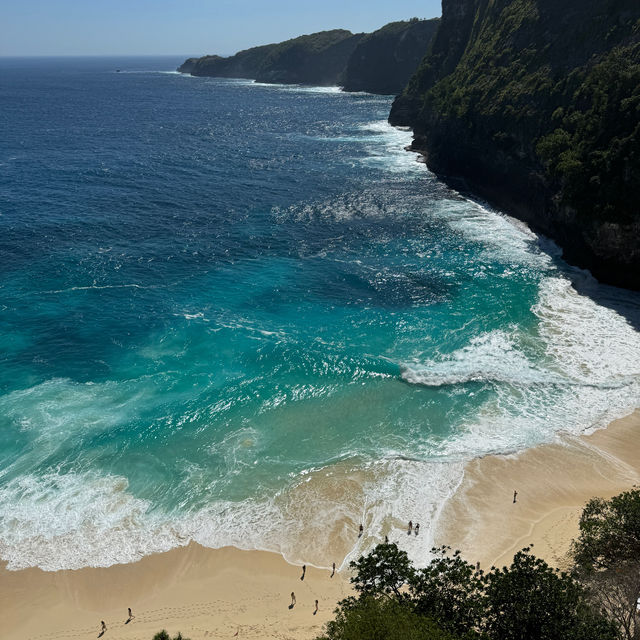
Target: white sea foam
point(489, 357)
point(75, 520)
point(502, 236)
point(68, 521)
point(385, 150)
point(587, 375)
point(296, 88)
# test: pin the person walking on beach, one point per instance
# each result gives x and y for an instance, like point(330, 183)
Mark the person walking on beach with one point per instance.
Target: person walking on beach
point(316, 610)
point(410, 527)
point(416, 528)
point(304, 570)
point(515, 495)
point(360, 531)
point(131, 616)
point(103, 627)
point(293, 600)
point(333, 573)
point(386, 539)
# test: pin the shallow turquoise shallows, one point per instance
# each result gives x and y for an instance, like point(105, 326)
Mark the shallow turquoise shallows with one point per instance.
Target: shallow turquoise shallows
point(242, 314)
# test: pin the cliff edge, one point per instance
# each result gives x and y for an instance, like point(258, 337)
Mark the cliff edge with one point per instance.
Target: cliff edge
point(380, 62)
point(535, 104)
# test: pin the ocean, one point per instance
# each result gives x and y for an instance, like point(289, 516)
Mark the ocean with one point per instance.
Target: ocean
point(242, 314)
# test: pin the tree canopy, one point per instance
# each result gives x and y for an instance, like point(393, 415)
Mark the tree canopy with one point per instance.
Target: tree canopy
point(452, 599)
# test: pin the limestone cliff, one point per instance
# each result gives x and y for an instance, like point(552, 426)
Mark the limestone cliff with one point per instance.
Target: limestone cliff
point(379, 62)
point(244, 64)
point(536, 105)
point(384, 61)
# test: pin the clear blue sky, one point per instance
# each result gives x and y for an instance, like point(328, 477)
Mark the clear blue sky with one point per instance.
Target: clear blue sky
point(122, 27)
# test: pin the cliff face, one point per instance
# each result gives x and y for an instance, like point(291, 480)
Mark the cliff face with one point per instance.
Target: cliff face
point(536, 105)
point(384, 61)
point(188, 65)
point(244, 64)
point(318, 59)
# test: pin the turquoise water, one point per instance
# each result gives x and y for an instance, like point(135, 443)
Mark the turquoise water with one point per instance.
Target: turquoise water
point(242, 314)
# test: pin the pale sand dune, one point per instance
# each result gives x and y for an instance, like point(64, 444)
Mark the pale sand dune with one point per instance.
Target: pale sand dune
point(214, 593)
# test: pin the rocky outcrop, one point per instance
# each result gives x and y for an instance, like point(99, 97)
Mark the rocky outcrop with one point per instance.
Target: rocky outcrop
point(384, 61)
point(244, 64)
point(535, 104)
point(188, 65)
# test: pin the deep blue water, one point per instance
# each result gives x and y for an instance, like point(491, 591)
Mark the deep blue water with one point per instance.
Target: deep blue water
point(243, 314)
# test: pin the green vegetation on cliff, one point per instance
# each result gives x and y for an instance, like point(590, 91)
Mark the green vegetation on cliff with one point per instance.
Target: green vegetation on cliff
point(384, 61)
point(379, 62)
point(536, 104)
point(319, 59)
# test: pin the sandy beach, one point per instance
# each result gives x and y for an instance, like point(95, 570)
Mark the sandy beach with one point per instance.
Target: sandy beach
point(208, 593)
point(553, 482)
point(203, 593)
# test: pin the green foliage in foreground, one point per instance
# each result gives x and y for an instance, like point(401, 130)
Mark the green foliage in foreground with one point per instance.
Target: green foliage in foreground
point(531, 600)
point(451, 599)
point(609, 532)
point(607, 558)
point(163, 635)
point(382, 619)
